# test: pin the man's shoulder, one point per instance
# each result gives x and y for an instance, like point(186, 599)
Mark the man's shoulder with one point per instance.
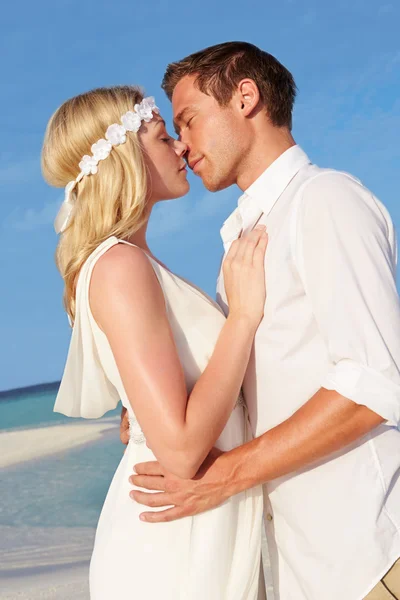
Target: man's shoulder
point(332, 195)
point(325, 187)
point(315, 178)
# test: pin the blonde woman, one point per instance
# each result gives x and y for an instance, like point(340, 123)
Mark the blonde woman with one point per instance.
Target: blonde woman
point(143, 335)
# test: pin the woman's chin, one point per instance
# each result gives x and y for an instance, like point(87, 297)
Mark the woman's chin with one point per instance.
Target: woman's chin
point(178, 192)
point(181, 191)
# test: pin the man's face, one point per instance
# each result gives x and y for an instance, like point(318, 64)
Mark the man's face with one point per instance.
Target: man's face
point(211, 132)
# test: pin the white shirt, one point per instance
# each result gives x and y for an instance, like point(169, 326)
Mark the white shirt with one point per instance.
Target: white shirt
point(332, 320)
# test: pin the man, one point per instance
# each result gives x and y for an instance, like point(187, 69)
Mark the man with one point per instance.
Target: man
point(323, 383)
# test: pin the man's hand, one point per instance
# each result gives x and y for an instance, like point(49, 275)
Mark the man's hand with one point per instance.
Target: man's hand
point(124, 427)
point(300, 441)
point(187, 496)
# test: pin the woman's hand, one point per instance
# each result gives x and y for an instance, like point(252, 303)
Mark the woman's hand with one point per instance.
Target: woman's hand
point(244, 276)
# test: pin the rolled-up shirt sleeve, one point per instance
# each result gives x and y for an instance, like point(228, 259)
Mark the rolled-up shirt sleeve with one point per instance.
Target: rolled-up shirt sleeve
point(348, 259)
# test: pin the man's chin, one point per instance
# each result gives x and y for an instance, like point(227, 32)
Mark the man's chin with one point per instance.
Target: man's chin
point(215, 186)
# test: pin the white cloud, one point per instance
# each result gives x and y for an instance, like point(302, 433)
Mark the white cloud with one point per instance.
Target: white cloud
point(19, 172)
point(385, 9)
point(168, 217)
point(177, 215)
point(30, 219)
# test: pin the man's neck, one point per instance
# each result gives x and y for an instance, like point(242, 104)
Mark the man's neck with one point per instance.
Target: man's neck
point(262, 154)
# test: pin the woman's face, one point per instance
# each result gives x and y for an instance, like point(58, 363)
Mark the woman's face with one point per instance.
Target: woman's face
point(164, 158)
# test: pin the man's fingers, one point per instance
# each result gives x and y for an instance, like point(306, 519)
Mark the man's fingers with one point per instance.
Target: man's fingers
point(124, 437)
point(124, 426)
point(149, 468)
point(171, 514)
point(153, 500)
point(148, 482)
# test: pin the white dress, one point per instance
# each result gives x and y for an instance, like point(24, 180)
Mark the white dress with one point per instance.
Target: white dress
point(212, 556)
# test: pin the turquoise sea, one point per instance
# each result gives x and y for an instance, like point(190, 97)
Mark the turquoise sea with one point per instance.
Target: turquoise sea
point(66, 489)
point(49, 505)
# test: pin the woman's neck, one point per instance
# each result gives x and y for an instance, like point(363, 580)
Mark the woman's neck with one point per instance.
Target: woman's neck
point(139, 238)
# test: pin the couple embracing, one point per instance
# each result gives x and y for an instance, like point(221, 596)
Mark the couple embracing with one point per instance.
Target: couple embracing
point(277, 406)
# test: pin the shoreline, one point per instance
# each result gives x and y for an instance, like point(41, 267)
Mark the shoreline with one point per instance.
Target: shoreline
point(60, 583)
point(21, 445)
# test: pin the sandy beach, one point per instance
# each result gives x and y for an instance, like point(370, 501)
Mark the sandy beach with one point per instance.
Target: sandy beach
point(14, 445)
point(43, 563)
point(48, 563)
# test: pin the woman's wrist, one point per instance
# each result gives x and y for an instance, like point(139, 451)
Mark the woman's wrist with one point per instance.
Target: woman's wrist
point(243, 321)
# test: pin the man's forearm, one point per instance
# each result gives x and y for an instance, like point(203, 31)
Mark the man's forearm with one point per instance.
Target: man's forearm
point(327, 423)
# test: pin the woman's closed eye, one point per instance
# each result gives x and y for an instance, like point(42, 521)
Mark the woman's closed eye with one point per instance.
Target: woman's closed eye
point(165, 137)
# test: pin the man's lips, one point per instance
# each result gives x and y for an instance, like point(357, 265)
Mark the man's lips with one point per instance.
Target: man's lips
point(195, 163)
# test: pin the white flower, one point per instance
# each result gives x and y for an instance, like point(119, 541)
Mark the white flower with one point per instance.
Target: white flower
point(151, 103)
point(131, 121)
point(101, 149)
point(145, 109)
point(88, 165)
point(116, 134)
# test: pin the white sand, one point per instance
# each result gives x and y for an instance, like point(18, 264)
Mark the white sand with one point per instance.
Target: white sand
point(69, 584)
point(45, 441)
point(49, 563)
point(45, 563)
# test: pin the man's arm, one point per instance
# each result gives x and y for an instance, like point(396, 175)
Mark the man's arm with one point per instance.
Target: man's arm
point(325, 424)
point(349, 270)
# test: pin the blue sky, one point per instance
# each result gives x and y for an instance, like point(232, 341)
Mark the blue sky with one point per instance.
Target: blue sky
point(345, 58)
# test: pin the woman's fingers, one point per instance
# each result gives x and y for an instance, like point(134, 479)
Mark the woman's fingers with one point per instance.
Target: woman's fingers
point(260, 250)
point(252, 241)
point(245, 276)
point(231, 253)
point(242, 249)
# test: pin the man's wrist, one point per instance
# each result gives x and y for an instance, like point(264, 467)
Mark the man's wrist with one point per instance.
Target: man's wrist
point(239, 467)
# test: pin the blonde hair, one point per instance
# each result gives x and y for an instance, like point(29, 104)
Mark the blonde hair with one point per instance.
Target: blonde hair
point(110, 203)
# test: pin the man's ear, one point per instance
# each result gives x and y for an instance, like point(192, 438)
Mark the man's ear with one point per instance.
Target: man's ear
point(247, 97)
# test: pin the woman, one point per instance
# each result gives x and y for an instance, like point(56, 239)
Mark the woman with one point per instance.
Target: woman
point(144, 335)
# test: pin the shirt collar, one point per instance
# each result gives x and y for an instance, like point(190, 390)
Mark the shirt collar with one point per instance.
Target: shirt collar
point(262, 195)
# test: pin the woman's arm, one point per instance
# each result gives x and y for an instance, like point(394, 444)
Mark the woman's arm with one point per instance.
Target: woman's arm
point(128, 304)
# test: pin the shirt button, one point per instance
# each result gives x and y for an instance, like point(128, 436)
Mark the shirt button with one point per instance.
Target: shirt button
point(269, 517)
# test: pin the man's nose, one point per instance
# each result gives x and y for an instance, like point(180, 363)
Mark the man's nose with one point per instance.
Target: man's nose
point(181, 148)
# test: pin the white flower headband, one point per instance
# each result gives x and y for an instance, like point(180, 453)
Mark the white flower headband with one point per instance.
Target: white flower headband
point(115, 135)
